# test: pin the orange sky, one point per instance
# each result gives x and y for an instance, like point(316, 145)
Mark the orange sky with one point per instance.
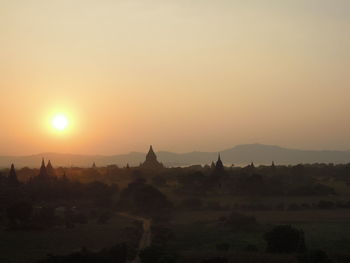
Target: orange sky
point(182, 75)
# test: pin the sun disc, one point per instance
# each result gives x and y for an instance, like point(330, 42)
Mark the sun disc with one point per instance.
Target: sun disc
point(60, 122)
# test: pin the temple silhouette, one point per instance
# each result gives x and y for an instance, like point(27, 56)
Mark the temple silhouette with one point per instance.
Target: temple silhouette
point(151, 161)
point(219, 166)
point(43, 172)
point(46, 172)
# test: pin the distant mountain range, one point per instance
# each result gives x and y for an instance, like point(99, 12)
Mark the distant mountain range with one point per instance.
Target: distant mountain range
point(238, 155)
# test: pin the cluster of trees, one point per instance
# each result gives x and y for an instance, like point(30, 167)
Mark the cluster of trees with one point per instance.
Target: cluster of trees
point(97, 188)
point(58, 189)
point(282, 240)
point(263, 180)
point(195, 203)
point(144, 199)
point(285, 239)
point(238, 221)
point(159, 251)
point(43, 194)
point(24, 216)
point(120, 253)
point(32, 204)
point(52, 188)
point(252, 184)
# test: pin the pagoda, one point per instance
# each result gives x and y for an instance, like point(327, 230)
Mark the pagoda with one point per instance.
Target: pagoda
point(151, 161)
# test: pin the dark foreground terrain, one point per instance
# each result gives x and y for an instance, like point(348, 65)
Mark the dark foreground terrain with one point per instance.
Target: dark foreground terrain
point(196, 214)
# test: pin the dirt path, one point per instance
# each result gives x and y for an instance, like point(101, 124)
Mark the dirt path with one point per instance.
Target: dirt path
point(145, 240)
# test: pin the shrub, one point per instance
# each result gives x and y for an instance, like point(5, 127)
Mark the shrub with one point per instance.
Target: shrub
point(215, 260)
point(159, 180)
point(223, 246)
point(145, 199)
point(104, 218)
point(251, 248)
point(19, 213)
point(161, 235)
point(192, 203)
point(119, 253)
point(325, 204)
point(315, 256)
point(239, 221)
point(285, 239)
point(214, 205)
point(294, 207)
point(45, 217)
point(156, 254)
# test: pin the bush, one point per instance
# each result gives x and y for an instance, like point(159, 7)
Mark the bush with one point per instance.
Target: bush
point(294, 207)
point(80, 218)
point(215, 260)
point(316, 256)
point(104, 218)
point(19, 213)
point(223, 247)
point(155, 254)
point(285, 239)
point(280, 206)
point(45, 217)
point(325, 204)
point(159, 181)
point(239, 221)
point(144, 199)
point(119, 253)
point(192, 203)
point(251, 248)
point(214, 205)
point(162, 235)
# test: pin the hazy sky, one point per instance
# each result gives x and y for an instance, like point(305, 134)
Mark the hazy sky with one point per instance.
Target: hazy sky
point(183, 75)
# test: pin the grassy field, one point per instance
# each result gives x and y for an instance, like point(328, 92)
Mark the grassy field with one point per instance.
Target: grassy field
point(199, 231)
point(231, 200)
point(237, 257)
point(269, 217)
point(29, 246)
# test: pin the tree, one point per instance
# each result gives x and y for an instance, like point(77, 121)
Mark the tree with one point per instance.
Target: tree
point(314, 256)
point(12, 178)
point(192, 203)
point(285, 239)
point(223, 246)
point(118, 253)
point(156, 254)
point(19, 213)
point(240, 221)
point(144, 198)
point(215, 260)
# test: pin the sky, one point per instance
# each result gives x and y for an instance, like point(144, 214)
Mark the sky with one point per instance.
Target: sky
point(182, 75)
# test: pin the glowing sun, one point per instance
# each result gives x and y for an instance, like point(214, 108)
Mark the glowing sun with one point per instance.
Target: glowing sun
point(60, 122)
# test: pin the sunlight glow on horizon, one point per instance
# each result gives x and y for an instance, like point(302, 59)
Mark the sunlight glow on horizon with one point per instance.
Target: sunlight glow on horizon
point(183, 75)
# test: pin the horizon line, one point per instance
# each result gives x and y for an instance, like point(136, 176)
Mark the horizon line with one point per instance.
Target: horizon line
point(169, 151)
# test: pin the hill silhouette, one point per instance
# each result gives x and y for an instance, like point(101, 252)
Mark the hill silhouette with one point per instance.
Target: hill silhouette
point(238, 155)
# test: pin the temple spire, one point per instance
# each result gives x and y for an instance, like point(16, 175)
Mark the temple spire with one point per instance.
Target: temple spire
point(43, 171)
point(151, 160)
point(12, 170)
point(151, 155)
point(49, 169)
point(12, 178)
point(219, 165)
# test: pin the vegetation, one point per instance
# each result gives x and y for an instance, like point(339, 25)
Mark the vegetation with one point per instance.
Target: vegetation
point(199, 214)
point(285, 239)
